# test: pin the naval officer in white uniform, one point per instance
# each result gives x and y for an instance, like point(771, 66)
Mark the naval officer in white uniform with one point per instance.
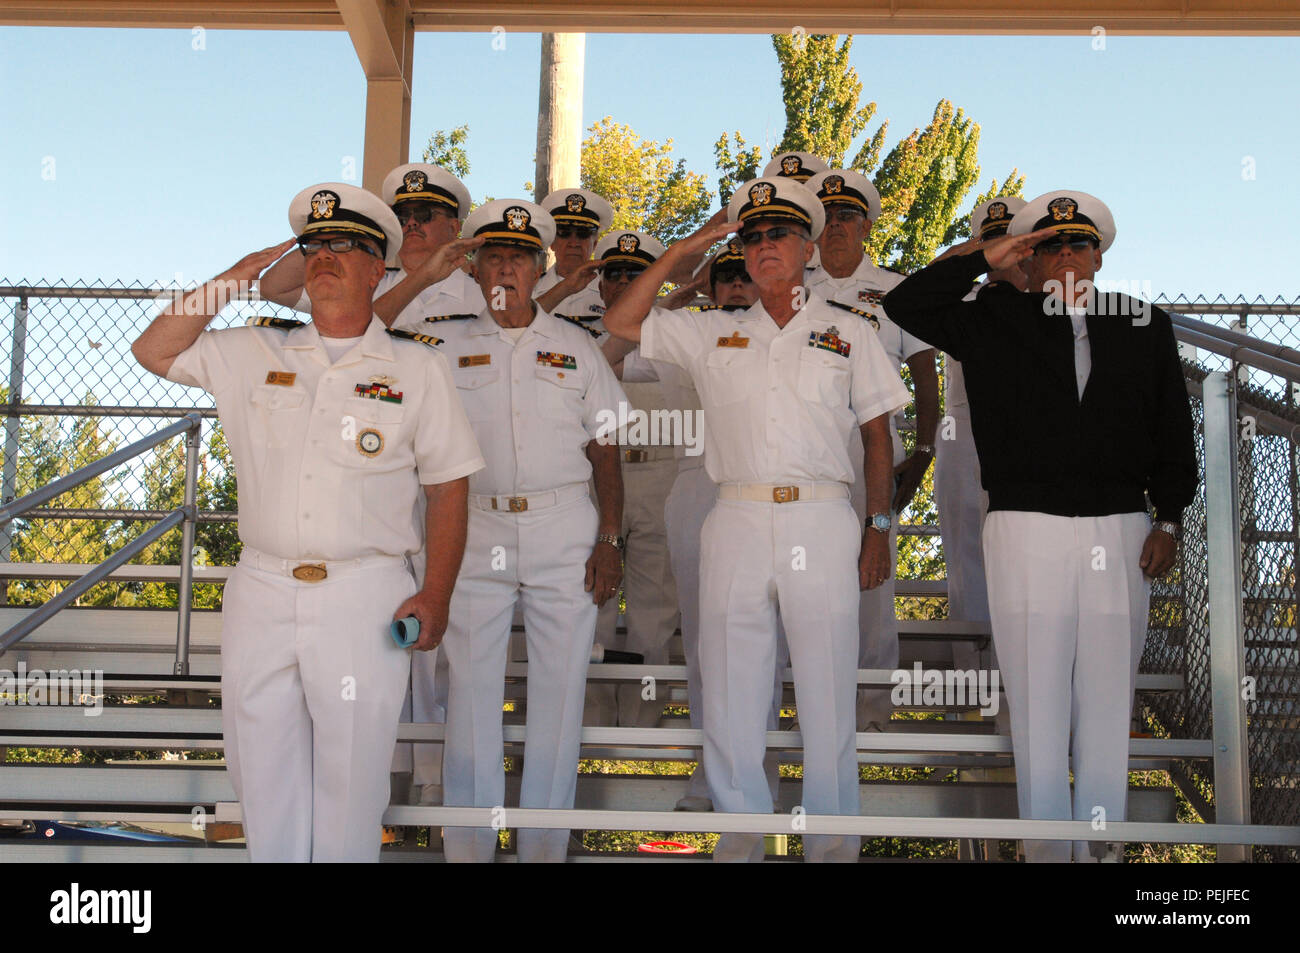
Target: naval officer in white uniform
point(544, 403)
point(782, 385)
point(849, 280)
point(337, 427)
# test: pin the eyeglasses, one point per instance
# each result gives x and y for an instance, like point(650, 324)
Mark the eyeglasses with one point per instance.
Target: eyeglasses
point(339, 246)
point(843, 215)
point(751, 237)
point(619, 272)
point(573, 231)
point(1074, 242)
point(726, 276)
point(421, 213)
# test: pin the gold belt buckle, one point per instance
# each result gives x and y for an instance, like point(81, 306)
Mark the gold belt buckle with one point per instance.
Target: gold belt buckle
point(785, 494)
point(518, 504)
point(636, 456)
point(310, 572)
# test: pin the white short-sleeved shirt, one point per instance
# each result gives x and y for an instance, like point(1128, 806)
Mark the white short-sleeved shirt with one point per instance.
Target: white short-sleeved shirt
point(780, 403)
point(458, 293)
point(534, 404)
point(864, 290)
point(586, 305)
point(325, 473)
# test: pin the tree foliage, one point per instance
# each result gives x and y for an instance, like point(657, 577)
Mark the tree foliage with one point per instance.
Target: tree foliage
point(448, 149)
point(649, 191)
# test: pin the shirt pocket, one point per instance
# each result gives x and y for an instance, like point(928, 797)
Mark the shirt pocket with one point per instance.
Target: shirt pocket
point(473, 388)
point(729, 374)
point(823, 377)
point(370, 436)
point(278, 412)
point(559, 393)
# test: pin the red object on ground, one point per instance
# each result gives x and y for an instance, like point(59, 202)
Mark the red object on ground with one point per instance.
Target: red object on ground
point(665, 847)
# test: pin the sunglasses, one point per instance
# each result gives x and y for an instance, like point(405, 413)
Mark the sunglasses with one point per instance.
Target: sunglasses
point(1073, 242)
point(619, 272)
point(726, 276)
point(339, 246)
point(422, 214)
point(776, 233)
point(574, 231)
point(844, 215)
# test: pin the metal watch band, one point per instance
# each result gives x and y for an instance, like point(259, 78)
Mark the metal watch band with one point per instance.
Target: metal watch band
point(615, 541)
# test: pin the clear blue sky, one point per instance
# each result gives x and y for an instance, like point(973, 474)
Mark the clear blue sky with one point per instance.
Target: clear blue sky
point(168, 159)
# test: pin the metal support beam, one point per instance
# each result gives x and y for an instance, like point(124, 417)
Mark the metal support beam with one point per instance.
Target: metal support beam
point(383, 35)
point(185, 587)
point(17, 356)
point(1227, 653)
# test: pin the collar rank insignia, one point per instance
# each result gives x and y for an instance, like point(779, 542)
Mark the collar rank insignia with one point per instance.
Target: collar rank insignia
point(581, 322)
point(280, 324)
point(555, 359)
point(375, 391)
point(829, 341)
point(405, 335)
point(865, 315)
point(734, 341)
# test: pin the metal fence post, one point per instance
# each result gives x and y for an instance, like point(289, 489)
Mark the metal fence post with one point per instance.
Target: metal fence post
point(1227, 652)
point(13, 423)
point(185, 585)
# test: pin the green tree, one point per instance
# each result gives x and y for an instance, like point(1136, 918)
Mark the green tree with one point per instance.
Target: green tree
point(649, 191)
point(735, 168)
point(448, 150)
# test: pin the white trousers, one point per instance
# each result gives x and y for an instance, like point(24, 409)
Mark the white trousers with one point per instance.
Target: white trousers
point(877, 620)
point(537, 558)
point(311, 687)
point(1069, 614)
point(688, 506)
point(800, 558)
point(651, 593)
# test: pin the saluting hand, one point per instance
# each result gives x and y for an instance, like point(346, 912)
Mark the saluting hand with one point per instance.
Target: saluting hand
point(1008, 250)
point(251, 266)
point(447, 259)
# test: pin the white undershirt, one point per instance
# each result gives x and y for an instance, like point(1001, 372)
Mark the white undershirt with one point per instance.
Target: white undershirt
point(337, 347)
point(515, 333)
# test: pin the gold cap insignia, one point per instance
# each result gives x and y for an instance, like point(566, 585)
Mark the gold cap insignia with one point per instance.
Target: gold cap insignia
point(323, 204)
point(414, 181)
point(790, 165)
point(628, 243)
point(833, 184)
point(760, 193)
point(996, 211)
point(1062, 208)
point(517, 218)
point(575, 203)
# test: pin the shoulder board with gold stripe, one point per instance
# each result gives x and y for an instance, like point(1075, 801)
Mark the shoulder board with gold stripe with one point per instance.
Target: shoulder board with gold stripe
point(584, 318)
point(280, 324)
point(406, 335)
point(579, 322)
point(865, 315)
point(451, 317)
point(721, 307)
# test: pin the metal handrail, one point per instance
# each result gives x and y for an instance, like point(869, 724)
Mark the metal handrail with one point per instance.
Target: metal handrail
point(185, 516)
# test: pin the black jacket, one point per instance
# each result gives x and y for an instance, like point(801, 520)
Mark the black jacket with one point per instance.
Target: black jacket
point(1041, 448)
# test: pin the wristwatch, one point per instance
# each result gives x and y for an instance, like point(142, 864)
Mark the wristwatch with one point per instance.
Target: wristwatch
point(925, 448)
point(615, 541)
point(1173, 529)
point(880, 522)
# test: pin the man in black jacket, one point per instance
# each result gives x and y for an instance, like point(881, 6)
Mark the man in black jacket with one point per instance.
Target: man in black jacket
point(1080, 415)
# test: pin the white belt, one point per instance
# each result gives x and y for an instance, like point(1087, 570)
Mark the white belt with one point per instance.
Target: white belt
point(314, 570)
point(791, 493)
point(647, 454)
point(530, 501)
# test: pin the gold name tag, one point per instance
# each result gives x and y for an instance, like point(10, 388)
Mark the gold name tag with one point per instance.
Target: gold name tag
point(475, 360)
point(281, 378)
point(734, 341)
